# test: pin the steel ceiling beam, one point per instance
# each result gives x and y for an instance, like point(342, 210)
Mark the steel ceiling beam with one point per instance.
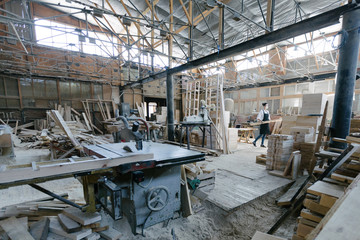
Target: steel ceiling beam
point(308, 25)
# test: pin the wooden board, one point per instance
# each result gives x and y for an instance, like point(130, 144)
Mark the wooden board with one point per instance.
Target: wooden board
point(40, 229)
point(305, 213)
point(82, 217)
point(263, 236)
point(342, 222)
point(327, 201)
point(293, 192)
point(68, 224)
point(303, 230)
point(315, 207)
point(15, 230)
point(342, 178)
point(321, 187)
point(56, 228)
point(27, 173)
point(110, 234)
point(93, 236)
point(61, 123)
point(307, 222)
point(185, 195)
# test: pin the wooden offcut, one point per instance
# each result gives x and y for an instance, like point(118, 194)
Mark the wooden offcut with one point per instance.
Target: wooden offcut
point(110, 234)
point(14, 229)
point(21, 173)
point(56, 228)
point(84, 218)
point(293, 192)
point(68, 224)
point(321, 187)
point(40, 229)
point(315, 207)
point(264, 236)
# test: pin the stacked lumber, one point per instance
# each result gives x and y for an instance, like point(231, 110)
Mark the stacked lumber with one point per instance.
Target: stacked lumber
point(307, 152)
point(161, 115)
point(35, 209)
point(320, 197)
point(313, 103)
point(302, 134)
point(355, 125)
point(287, 123)
point(199, 176)
point(279, 150)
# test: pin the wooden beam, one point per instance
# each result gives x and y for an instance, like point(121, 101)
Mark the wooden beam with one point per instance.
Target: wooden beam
point(269, 16)
point(196, 21)
point(61, 123)
point(185, 11)
point(48, 169)
point(120, 21)
point(136, 24)
point(171, 28)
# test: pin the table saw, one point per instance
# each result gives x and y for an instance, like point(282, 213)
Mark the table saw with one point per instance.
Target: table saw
point(146, 191)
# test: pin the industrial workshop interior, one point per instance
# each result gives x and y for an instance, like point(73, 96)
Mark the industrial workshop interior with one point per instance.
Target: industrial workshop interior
point(179, 119)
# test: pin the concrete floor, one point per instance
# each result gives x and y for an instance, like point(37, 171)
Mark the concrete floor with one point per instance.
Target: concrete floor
point(242, 201)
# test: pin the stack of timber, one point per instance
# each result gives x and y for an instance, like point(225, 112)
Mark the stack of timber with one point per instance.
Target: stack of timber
point(289, 122)
point(303, 142)
point(36, 209)
point(313, 104)
point(302, 134)
point(51, 219)
point(199, 177)
point(346, 172)
point(342, 221)
point(279, 150)
point(320, 197)
point(355, 125)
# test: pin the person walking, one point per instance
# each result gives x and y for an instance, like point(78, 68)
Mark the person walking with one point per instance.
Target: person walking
point(264, 115)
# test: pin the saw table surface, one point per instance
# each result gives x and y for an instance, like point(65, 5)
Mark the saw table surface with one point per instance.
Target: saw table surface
point(163, 153)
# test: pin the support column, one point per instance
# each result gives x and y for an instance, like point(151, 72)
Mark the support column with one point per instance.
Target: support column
point(346, 75)
point(170, 82)
point(170, 106)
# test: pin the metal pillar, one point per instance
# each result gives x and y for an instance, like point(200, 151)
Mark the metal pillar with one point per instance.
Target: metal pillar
point(346, 75)
point(170, 106)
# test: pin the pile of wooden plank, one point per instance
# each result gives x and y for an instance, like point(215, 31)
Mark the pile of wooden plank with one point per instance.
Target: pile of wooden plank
point(313, 103)
point(279, 150)
point(51, 219)
point(302, 134)
point(199, 171)
point(320, 197)
point(35, 209)
point(288, 122)
point(355, 125)
point(307, 152)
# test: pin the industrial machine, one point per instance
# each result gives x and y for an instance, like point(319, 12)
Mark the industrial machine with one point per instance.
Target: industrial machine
point(143, 184)
point(202, 117)
point(146, 192)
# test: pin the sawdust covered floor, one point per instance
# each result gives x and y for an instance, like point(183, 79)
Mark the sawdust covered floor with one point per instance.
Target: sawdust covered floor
point(242, 202)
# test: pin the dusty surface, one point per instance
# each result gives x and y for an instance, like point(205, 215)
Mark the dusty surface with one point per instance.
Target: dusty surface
point(212, 222)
